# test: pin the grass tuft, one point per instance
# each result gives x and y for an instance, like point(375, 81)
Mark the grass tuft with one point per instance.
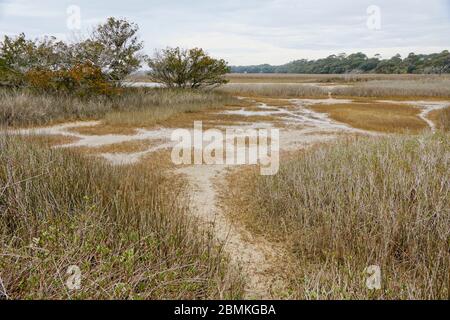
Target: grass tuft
point(341, 208)
point(126, 228)
point(441, 118)
point(376, 116)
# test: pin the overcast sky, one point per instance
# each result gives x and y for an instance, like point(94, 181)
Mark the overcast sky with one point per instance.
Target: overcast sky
point(251, 31)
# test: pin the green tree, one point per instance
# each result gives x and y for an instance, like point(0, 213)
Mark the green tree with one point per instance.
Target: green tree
point(22, 55)
point(52, 54)
point(8, 77)
point(115, 47)
point(187, 68)
point(16, 57)
point(437, 63)
point(17, 52)
point(442, 62)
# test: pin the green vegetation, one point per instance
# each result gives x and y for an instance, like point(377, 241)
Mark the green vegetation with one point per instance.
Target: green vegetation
point(110, 54)
point(127, 229)
point(359, 63)
point(193, 68)
point(114, 47)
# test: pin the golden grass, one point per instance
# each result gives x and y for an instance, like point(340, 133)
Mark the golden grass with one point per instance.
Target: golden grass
point(274, 90)
point(274, 102)
point(337, 209)
point(302, 78)
point(216, 117)
point(441, 118)
point(355, 203)
point(49, 140)
point(123, 147)
point(169, 104)
point(127, 228)
point(422, 87)
point(277, 78)
point(134, 107)
point(179, 116)
point(433, 87)
point(383, 117)
point(325, 78)
point(104, 129)
point(158, 160)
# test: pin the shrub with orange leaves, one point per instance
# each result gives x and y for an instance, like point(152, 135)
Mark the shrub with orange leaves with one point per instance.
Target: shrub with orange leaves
point(82, 79)
point(89, 79)
point(41, 80)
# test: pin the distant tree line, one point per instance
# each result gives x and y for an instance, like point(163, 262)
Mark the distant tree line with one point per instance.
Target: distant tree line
point(436, 63)
point(98, 64)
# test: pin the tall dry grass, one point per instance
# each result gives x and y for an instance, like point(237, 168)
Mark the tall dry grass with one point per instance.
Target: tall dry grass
point(441, 118)
point(283, 90)
point(434, 87)
point(381, 117)
point(344, 207)
point(162, 104)
point(22, 107)
point(292, 77)
point(127, 229)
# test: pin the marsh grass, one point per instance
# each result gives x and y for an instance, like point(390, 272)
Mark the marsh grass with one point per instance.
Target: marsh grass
point(433, 88)
point(356, 203)
point(49, 140)
point(441, 118)
point(308, 78)
point(323, 78)
point(420, 87)
point(135, 106)
point(281, 90)
point(122, 147)
point(104, 129)
point(164, 104)
point(126, 228)
point(376, 116)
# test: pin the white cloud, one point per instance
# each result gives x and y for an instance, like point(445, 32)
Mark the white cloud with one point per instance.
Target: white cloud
point(26, 9)
point(253, 31)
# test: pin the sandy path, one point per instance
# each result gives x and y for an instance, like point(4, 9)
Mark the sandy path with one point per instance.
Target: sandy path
point(255, 257)
point(259, 259)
